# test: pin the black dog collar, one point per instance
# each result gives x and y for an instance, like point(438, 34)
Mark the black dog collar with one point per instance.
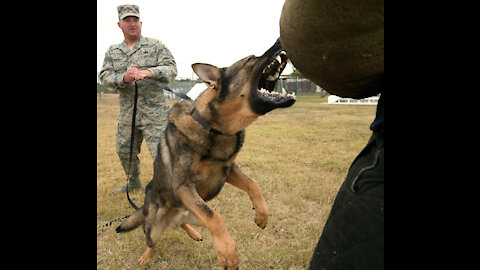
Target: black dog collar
point(202, 122)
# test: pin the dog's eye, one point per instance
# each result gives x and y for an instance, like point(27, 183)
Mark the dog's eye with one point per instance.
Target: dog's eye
point(251, 59)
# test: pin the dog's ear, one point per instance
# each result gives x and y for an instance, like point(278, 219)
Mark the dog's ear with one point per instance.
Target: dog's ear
point(210, 74)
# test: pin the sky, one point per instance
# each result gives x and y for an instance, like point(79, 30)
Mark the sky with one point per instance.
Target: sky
point(217, 32)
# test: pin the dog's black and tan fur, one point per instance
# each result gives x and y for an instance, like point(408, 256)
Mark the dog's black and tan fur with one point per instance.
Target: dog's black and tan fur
point(198, 148)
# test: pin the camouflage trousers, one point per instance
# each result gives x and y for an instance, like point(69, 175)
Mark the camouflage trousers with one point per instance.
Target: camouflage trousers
point(150, 132)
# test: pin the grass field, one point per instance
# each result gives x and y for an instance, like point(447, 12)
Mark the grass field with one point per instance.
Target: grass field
point(299, 156)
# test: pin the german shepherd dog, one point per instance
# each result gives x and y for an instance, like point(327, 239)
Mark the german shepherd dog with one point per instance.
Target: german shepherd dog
point(198, 148)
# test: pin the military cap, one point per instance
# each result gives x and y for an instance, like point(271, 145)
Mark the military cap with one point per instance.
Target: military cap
point(128, 10)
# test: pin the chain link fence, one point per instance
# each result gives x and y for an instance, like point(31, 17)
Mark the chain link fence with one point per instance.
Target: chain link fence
point(300, 86)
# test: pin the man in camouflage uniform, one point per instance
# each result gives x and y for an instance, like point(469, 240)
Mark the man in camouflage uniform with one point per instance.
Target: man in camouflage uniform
point(133, 60)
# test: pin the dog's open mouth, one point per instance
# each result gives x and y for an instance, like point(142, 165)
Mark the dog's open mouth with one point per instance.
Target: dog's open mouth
point(270, 67)
point(270, 75)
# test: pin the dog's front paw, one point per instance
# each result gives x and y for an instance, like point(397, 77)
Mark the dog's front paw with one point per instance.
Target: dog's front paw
point(227, 252)
point(261, 216)
point(261, 220)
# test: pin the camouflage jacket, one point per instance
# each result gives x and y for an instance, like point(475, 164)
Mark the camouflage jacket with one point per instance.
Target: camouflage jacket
point(148, 53)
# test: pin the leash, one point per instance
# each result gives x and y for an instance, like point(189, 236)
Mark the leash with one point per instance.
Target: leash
point(132, 136)
point(112, 221)
point(165, 87)
point(132, 139)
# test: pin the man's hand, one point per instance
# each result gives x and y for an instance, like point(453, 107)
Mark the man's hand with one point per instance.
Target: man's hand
point(142, 74)
point(129, 75)
point(133, 74)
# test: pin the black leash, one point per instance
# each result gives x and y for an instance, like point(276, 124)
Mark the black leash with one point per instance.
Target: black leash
point(132, 139)
point(165, 87)
point(132, 136)
point(112, 221)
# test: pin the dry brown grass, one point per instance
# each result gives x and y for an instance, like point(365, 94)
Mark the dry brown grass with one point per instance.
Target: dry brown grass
point(299, 157)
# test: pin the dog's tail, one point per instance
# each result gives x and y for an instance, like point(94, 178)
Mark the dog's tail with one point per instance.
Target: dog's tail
point(133, 221)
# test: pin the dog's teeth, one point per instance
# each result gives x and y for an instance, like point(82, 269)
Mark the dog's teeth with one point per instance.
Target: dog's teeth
point(291, 95)
point(284, 92)
point(278, 58)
